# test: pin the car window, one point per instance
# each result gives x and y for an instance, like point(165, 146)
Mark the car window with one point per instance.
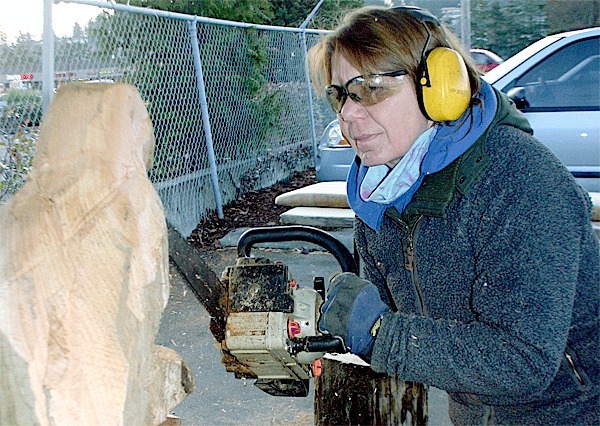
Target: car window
point(569, 79)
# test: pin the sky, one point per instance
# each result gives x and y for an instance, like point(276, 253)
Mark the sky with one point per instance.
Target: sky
point(27, 16)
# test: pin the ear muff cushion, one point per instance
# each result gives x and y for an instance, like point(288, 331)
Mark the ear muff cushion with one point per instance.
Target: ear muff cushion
point(449, 93)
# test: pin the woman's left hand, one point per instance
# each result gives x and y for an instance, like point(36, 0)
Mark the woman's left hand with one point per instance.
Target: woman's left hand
point(353, 311)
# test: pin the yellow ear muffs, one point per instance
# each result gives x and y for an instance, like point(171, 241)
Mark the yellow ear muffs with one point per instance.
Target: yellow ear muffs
point(445, 89)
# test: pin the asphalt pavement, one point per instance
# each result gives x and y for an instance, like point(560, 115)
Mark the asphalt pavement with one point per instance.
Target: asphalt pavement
point(220, 398)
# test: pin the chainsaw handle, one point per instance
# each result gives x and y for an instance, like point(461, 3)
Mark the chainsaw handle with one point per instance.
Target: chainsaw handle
point(309, 234)
point(323, 343)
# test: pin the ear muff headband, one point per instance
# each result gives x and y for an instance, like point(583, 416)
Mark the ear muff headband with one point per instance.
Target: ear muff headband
point(419, 14)
point(443, 86)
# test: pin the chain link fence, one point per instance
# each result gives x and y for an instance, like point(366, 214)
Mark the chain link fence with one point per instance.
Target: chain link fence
point(229, 101)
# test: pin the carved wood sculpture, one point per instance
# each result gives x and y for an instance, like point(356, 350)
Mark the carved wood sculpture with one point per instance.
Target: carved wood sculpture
point(84, 272)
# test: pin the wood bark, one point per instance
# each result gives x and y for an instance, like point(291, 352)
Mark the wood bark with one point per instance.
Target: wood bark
point(84, 272)
point(347, 394)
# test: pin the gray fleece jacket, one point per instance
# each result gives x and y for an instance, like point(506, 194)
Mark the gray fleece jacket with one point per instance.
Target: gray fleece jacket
point(492, 272)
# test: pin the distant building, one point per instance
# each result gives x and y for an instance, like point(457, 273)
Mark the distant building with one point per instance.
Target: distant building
point(33, 80)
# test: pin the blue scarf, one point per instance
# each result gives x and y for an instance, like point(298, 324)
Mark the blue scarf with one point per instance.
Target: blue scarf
point(450, 142)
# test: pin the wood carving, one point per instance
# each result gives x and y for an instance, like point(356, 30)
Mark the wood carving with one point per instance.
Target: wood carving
point(84, 272)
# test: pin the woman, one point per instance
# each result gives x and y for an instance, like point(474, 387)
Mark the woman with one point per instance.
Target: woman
point(481, 266)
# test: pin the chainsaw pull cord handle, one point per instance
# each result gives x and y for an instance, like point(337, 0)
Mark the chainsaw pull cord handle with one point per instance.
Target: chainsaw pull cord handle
point(325, 343)
point(308, 234)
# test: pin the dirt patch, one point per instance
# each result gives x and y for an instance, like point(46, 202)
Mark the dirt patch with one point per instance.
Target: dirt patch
point(252, 209)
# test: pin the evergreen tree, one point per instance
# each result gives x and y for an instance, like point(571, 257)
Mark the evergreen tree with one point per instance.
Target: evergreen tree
point(254, 11)
point(292, 13)
point(572, 15)
point(506, 27)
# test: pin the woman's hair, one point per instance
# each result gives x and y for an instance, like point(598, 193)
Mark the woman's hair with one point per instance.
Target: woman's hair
point(379, 39)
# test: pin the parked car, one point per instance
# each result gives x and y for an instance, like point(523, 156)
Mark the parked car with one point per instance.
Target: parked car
point(334, 154)
point(555, 82)
point(485, 59)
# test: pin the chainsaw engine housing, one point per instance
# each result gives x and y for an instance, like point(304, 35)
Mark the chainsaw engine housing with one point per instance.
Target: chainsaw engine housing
point(266, 310)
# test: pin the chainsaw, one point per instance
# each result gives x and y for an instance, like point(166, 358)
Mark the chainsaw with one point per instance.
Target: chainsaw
point(271, 332)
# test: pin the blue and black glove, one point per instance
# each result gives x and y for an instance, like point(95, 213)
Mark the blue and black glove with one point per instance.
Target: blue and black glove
point(353, 311)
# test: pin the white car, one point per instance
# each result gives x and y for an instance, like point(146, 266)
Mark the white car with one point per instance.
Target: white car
point(334, 155)
point(555, 82)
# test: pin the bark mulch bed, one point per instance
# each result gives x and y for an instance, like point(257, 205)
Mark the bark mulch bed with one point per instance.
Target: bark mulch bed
point(252, 209)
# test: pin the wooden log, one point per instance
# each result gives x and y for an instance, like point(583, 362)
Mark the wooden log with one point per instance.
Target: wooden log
point(84, 272)
point(203, 281)
point(347, 394)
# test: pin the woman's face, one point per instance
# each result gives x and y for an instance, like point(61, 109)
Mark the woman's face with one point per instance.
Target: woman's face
point(384, 132)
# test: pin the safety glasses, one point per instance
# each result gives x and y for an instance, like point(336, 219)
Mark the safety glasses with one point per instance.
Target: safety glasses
point(366, 90)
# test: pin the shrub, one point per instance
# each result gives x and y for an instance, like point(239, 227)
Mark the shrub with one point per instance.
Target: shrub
point(21, 109)
point(16, 155)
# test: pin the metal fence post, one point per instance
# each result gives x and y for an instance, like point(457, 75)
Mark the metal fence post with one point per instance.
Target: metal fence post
point(47, 58)
point(307, 78)
point(465, 23)
point(205, 118)
point(311, 114)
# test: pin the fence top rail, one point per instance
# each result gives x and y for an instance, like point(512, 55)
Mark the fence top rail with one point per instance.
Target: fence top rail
point(184, 17)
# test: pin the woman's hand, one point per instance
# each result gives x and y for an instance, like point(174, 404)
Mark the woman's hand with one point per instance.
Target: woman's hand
point(353, 311)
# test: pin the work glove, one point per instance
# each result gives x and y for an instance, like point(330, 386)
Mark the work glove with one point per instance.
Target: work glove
point(353, 311)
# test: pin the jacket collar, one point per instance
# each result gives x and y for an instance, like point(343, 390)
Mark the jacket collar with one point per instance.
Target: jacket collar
point(437, 190)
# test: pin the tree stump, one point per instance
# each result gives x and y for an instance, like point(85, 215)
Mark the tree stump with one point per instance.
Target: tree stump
point(347, 394)
point(84, 272)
